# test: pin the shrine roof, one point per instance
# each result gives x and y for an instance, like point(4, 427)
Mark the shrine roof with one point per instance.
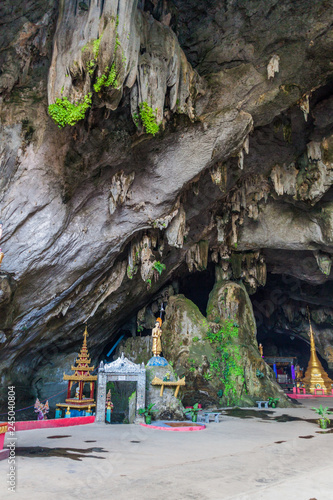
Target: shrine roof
point(82, 364)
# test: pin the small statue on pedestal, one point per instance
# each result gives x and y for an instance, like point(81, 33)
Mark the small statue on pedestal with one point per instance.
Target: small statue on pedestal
point(157, 359)
point(261, 350)
point(41, 409)
point(156, 334)
point(108, 402)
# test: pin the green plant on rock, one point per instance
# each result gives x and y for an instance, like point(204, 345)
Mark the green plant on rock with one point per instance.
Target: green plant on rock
point(215, 365)
point(323, 421)
point(227, 365)
point(192, 367)
point(95, 50)
point(91, 66)
point(63, 112)
point(148, 118)
point(96, 44)
point(159, 267)
point(208, 376)
point(108, 79)
point(259, 373)
point(131, 270)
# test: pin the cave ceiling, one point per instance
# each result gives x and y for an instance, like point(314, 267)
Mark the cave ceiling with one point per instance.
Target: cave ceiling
point(238, 177)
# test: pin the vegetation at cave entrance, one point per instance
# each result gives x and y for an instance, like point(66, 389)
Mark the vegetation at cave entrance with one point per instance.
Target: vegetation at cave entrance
point(159, 267)
point(148, 118)
point(226, 365)
point(95, 50)
point(108, 79)
point(63, 112)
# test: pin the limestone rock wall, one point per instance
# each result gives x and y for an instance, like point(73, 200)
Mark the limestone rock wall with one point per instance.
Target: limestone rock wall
point(145, 53)
point(166, 407)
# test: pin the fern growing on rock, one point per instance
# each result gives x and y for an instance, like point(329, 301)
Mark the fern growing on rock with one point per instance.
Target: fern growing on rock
point(108, 79)
point(148, 118)
point(63, 112)
point(159, 267)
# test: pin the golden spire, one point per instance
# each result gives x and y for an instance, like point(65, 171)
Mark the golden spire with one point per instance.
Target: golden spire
point(82, 369)
point(85, 335)
point(315, 375)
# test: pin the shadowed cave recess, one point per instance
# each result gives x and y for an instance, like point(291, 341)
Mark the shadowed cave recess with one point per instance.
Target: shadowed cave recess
point(193, 180)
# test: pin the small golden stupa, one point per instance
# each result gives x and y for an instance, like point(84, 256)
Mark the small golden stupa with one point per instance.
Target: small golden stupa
point(315, 375)
point(82, 376)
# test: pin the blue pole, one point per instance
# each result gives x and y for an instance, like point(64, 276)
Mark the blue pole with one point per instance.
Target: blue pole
point(113, 348)
point(275, 370)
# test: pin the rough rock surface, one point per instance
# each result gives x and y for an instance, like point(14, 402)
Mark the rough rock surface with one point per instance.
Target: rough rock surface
point(166, 407)
point(242, 164)
point(230, 301)
point(186, 346)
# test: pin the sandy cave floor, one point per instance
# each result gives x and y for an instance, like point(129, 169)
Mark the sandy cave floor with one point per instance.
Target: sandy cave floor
point(239, 458)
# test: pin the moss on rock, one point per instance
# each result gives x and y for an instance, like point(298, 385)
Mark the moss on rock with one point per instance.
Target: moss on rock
point(136, 349)
point(230, 300)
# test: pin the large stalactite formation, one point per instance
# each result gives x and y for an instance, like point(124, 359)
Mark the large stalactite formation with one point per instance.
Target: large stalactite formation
point(237, 177)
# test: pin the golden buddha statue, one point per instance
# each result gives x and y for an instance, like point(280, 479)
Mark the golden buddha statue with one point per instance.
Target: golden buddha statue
point(156, 334)
point(298, 372)
point(261, 350)
point(315, 375)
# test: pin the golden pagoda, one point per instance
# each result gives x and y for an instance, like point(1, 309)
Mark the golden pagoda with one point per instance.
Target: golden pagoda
point(82, 376)
point(315, 375)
